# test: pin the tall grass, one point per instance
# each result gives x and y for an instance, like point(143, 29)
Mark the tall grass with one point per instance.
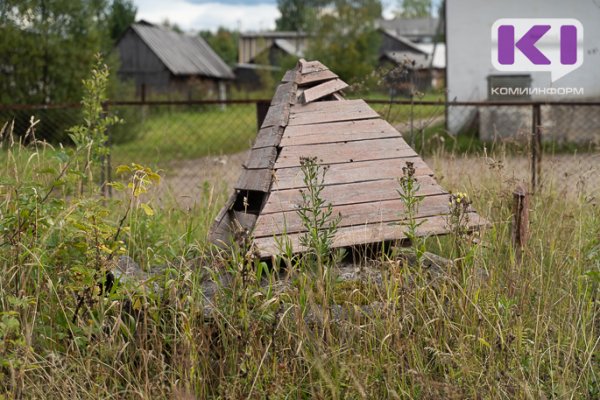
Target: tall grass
point(223, 324)
point(504, 329)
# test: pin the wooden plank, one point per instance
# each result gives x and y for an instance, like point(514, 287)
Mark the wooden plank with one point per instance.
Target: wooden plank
point(362, 171)
point(337, 132)
point(255, 179)
point(263, 157)
point(328, 106)
point(313, 77)
point(269, 136)
point(277, 115)
point(307, 67)
point(352, 214)
point(246, 220)
point(323, 89)
point(283, 93)
point(333, 153)
point(366, 234)
point(350, 193)
point(290, 75)
point(347, 112)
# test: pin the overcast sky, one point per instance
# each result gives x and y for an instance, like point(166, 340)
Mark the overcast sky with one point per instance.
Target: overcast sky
point(199, 15)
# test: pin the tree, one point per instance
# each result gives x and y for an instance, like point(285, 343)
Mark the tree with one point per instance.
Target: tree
point(346, 39)
point(298, 15)
point(414, 8)
point(121, 14)
point(224, 42)
point(47, 47)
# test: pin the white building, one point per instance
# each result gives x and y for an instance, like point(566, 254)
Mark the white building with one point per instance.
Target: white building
point(469, 61)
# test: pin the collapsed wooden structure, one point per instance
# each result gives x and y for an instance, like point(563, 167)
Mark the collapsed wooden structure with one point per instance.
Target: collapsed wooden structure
point(309, 117)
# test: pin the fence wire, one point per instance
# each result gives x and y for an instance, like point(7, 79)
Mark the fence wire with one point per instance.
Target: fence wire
point(199, 145)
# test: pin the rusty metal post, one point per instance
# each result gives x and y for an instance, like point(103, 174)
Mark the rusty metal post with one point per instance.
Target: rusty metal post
point(536, 146)
point(520, 219)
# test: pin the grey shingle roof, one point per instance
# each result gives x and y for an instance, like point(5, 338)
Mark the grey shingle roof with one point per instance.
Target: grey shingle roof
point(183, 54)
point(411, 27)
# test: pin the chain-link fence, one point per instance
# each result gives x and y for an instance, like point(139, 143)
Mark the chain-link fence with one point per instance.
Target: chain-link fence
point(199, 144)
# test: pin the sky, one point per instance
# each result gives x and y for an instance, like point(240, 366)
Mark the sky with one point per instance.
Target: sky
point(196, 15)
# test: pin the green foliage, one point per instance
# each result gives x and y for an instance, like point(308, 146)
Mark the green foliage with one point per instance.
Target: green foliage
point(298, 15)
point(409, 188)
point(121, 14)
point(414, 8)
point(49, 45)
point(224, 42)
point(316, 215)
point(346, 39)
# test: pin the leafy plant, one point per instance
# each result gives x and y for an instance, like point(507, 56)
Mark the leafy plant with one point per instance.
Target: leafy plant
point(316, 214)
point(409, 187)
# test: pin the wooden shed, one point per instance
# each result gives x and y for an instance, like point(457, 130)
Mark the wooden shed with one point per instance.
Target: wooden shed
point(309, 117)
point(160, 60)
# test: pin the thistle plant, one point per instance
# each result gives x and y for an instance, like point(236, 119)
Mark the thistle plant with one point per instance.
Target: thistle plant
point(458, 221)
point(316, 214)
point(409, 187)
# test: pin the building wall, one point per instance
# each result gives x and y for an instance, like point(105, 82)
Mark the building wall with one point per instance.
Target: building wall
point(468, 40)
point(250, 46)
point(141, 65)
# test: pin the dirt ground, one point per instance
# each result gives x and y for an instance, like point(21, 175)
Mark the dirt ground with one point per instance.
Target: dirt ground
point(183, 181)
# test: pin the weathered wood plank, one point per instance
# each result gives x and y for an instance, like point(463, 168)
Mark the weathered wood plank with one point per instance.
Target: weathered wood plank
point(246, 220)
point(333, 153)
point(290, 178)
point(263, 157)
point(313, 77)
point(347, 112)
point(290, 75)
point(277, 115)
point(338, 132)
point(352, 214)
point(351, 193)
point(307, 67)
point(283, 94)
point(373, 233)
point(269, 136)
point(329, 106)
point(255, 179)
point(323, 89)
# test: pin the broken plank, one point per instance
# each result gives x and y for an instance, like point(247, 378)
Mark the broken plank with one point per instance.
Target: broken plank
point(313, 77)
point(263, 157)
point(333, 153)
point(307, 67)
point(337, 132)
point(290, 75)
point(352, 214)
point(367, 234)
point(361, 171)
point(350, 193)
point(322, 90)
point(255, 179)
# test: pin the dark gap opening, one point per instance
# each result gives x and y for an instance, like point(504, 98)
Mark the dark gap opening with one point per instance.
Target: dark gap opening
point(249, 201)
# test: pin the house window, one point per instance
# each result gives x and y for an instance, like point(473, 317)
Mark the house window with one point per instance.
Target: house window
point(506, 87)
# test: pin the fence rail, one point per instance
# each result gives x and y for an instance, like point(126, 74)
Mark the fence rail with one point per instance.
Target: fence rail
point(203, 142)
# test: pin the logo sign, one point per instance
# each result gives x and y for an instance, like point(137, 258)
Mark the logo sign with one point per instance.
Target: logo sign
point(537, 44)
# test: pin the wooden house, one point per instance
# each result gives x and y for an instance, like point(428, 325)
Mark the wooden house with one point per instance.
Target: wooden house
point(160, 60)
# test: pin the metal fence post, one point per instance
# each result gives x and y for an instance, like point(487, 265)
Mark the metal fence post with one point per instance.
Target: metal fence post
point(536, 146)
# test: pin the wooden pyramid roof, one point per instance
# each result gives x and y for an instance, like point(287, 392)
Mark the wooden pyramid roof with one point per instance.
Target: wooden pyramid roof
point(309, 117)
